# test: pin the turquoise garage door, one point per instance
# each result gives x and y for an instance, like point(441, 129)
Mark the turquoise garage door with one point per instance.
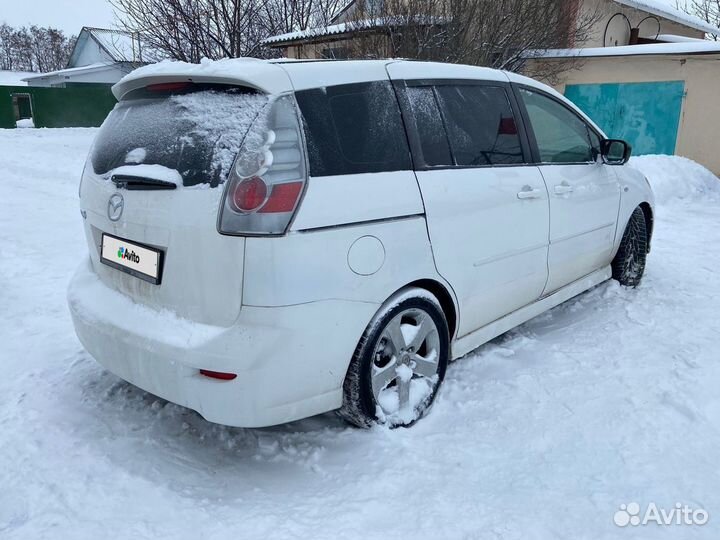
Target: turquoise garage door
point(647, 115)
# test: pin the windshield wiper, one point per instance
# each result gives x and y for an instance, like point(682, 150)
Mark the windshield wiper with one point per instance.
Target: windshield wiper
point(137, 183)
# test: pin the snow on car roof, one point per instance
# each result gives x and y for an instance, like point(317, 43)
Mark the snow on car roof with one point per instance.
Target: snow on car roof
point(277, 76)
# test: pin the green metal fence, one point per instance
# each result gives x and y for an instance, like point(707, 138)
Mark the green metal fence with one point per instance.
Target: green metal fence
point(80, 105)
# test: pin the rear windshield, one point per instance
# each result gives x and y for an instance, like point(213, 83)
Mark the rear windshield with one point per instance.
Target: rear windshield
point(193, 129)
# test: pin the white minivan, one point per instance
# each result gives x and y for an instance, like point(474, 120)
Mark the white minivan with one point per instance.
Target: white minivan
point(270, 240)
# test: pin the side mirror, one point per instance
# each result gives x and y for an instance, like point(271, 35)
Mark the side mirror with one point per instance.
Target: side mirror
point(615, 151)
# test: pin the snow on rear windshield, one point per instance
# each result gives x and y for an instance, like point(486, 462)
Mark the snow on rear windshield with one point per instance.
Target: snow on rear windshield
point(196, 133)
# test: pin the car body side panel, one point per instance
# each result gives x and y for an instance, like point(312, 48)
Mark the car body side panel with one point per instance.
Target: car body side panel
point(488, 243)
point(583, 222)
point(363, 263)
point(634, 191)
point(338, 200)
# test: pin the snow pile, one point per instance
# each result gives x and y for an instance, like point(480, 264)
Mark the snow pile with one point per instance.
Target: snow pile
point(676, 178)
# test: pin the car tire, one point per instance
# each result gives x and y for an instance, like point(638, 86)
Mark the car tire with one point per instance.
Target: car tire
point(628, 266)
point(399, 363)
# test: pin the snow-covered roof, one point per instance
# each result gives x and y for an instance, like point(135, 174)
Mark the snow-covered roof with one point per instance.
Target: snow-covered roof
point(661, 9)
point(14, 78)
point(341, 28)
point(69, 71)
point(687, 48)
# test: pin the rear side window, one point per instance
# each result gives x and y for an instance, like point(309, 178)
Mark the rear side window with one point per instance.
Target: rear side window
point(191, 129)
point(429, 126)
point(480, 125)
point(354, 129)
point(561, 135)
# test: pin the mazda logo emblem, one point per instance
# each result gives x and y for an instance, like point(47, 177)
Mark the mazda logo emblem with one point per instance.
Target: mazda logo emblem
point(115, 207)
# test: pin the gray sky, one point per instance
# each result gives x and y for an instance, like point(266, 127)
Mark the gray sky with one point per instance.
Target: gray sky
point(67, 15)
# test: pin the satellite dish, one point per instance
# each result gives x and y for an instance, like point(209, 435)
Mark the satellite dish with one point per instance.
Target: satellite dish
point(617, 31)
point(649, 28)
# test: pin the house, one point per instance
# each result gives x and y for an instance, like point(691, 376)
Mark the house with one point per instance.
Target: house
point(100, 56)
point(614, 21)
point(654, 86)
point(79, 95)
point(645, 74)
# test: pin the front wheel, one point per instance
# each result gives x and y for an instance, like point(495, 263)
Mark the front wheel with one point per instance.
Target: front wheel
point(628, 266)
point(399, 364)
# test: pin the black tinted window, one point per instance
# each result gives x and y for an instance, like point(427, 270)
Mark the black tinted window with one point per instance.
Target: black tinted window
point(353, 129)
point(561, 135)
point(429, 126)
point(480, 125)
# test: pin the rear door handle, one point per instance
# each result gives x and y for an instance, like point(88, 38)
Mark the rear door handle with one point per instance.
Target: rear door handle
point(563, 189)
point(529, 193)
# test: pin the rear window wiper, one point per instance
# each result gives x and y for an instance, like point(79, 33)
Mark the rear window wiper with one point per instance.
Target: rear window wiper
point(140, 183)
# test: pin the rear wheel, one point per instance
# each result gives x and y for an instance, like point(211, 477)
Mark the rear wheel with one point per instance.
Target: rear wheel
point(628, 266)
point(399, 364)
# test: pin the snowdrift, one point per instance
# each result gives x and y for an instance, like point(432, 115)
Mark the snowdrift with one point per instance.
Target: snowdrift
point(676, 178)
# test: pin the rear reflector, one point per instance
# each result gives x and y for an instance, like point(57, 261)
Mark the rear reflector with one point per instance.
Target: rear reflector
point(282, 198)
point(218, 375)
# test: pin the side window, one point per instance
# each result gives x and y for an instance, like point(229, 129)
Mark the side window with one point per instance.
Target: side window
point(429, 126)
point(594, 142)
point(354, 129)
point(480, 125)
point(561, 135)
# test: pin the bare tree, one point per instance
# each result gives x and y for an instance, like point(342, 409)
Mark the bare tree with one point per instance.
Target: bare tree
point(707, 10)
point(494, 33)
point(281, 16)
point(190, 30)
point(34, 49)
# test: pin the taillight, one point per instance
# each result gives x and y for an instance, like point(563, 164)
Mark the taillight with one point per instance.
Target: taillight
point(268, 177)
point(249, 194)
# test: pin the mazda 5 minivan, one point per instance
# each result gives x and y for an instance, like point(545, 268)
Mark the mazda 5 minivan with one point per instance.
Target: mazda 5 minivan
point(271, 240)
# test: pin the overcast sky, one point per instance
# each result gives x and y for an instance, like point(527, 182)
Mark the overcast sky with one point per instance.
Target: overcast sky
point(68, 15)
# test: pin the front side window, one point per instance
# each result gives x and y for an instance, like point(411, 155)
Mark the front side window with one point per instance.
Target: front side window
point(480, 125)
point(561, 135)
point(354, 129)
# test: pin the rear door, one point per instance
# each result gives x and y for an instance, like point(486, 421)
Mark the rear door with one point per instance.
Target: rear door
point(487, 209)
point(584, 192)
point(154, 179)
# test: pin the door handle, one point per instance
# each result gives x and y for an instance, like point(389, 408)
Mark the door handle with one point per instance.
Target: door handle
point(563, 189)
point(529, 193)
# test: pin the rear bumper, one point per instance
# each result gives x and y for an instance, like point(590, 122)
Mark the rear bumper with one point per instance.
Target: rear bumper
point(290, 361)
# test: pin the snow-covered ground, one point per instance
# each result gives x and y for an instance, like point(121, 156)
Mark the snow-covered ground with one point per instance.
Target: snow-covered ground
point(609, 399)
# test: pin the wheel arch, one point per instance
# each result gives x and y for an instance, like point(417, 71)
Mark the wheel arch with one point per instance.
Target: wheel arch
point(444, 296)
point(649, 221)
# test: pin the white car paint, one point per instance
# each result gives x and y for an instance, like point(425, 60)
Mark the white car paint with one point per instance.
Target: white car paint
point(286, 313)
